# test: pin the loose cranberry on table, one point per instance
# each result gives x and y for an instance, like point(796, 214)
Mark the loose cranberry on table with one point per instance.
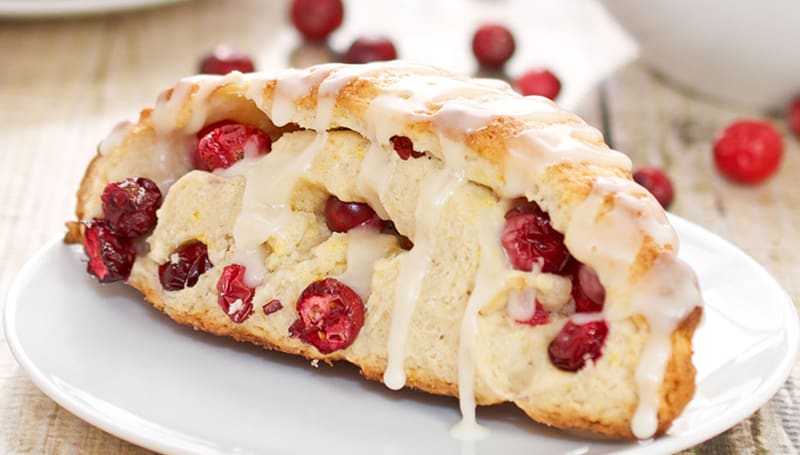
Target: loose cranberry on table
point(223, 144)
point(370, 49)
point(656, 182)
point(129, 206)
point(794, 116)
point(316, 19)
point(493, 45)
point(223, 60)
point(342, 216)
point(191, 261)
point(577, 343)
point(234, 296)
point(110, 257)
point(528, 239)
point(539, 82)
point(330, 315)
point(748, 151)
point(405, 148)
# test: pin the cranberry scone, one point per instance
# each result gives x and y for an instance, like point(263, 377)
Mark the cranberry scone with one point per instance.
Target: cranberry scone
point(440, 232)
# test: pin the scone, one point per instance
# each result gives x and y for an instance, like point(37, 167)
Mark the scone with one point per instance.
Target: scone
point(440, 232)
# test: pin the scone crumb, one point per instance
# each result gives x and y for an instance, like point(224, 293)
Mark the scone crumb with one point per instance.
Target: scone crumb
point(315, 363)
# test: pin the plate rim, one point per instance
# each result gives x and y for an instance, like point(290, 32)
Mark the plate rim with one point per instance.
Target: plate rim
point(27, 9)
point(180, 443)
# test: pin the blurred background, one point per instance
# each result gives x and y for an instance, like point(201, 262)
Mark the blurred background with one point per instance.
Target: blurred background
point(661, 80)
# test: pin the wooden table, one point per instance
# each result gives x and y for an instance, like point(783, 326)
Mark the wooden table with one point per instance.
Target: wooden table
point(65, 82)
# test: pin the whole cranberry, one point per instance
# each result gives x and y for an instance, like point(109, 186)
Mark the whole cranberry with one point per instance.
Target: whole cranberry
point(794, 116)
point(656, 182)
point(493, 45)
point(234, 296)
point(316, 19)
point(539, 82)
point(110, 257)
point(370, 49)
point(405, 148)
point(189, 263)
point(577, 343)
point(588, 292)
point(223, 144)
point(748, 151)
point(129, 206)
point(330, 315)
point(528, 239)
point(223, 60)
point(342, 216)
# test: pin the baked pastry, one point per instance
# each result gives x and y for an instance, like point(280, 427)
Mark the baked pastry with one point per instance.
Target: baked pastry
point(440, 232)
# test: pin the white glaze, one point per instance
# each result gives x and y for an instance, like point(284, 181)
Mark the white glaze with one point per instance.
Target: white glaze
point(491, 277)
point(434, 192)
point(522, 304)
point(609, 244)
point(665, 295)
point(364, 248)
point(266, 208)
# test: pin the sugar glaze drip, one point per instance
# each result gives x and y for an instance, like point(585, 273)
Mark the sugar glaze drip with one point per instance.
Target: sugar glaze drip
point(472, 105)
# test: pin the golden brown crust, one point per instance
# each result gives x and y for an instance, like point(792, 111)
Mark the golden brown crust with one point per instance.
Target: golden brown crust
point(573, 181)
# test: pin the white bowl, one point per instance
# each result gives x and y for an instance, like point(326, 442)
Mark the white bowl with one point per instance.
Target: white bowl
point(742, 51)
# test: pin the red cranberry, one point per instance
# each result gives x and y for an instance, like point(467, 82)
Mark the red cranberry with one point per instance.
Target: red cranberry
point(370, 49)
point(405, 148)
point(529, 238)
point(588, 292)
point(794, 116)
point(110, 257)
point(342, 216)
point(575, 344)
point(656, 182)
point(540, 316)
point(748, 151)
point(224, 60)
point(191, 262)
point(235, 298)
point(539, 82)
point(225, 143)
point(330, 315)
point(493, 45)
point(272, 306)
point(129, 206)
point(316, 19)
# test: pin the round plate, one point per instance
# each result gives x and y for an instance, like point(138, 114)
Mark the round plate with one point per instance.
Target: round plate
point(113, 360)
point(55, 8)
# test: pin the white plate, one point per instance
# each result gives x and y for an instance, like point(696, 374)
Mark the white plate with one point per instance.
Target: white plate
point(55, 8)
point(108, 357)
